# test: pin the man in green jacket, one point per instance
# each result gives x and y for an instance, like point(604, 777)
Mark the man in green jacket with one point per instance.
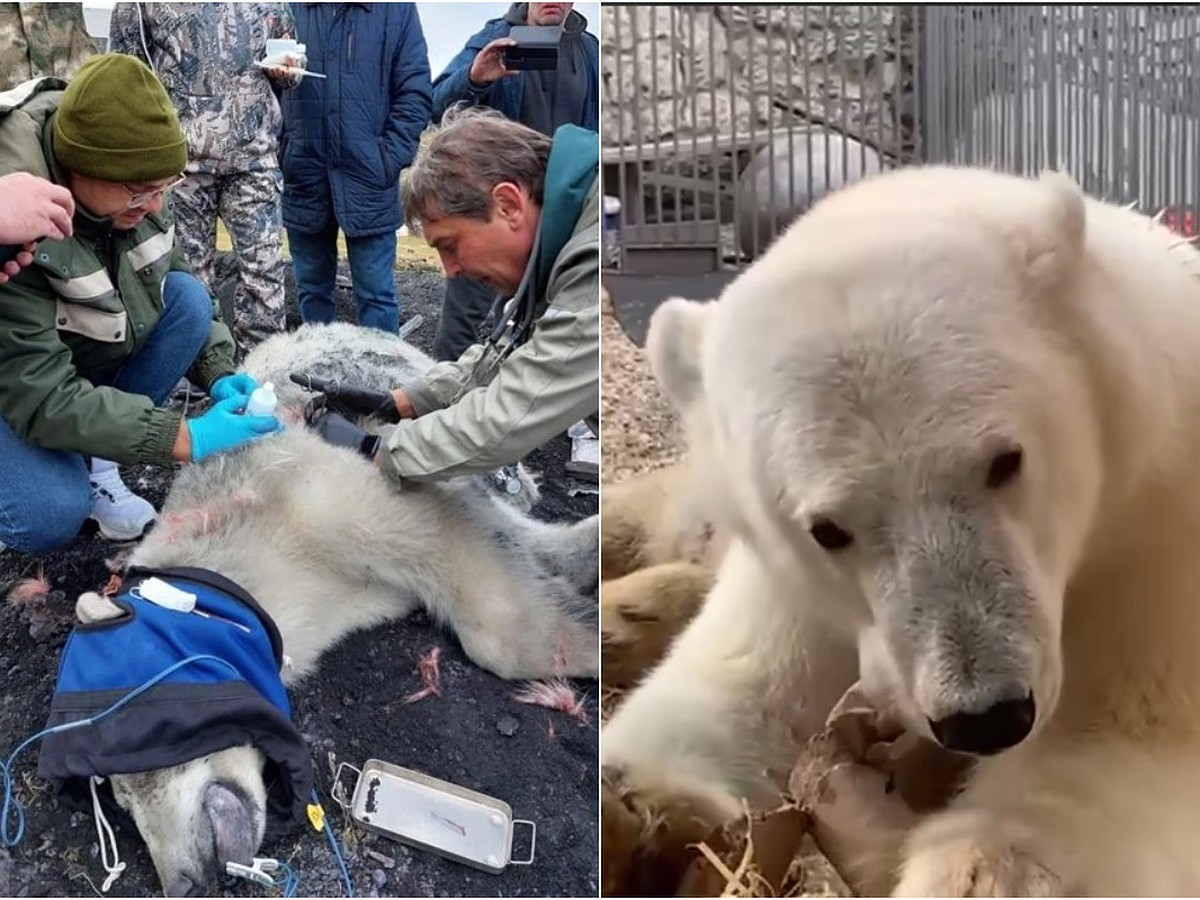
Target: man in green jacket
point(508, 206)
point(98, 329)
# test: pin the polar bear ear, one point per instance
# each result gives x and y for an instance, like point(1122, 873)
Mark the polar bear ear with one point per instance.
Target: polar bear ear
point(673, 347)
point(1053, 242)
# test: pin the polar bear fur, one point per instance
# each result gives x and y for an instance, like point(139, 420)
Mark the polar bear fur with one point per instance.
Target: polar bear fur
point(877, 369)
point(328, 546)
point(658, 553)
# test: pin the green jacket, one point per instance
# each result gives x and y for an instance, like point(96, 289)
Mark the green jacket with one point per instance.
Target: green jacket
point(501, 400)
point(85, 306)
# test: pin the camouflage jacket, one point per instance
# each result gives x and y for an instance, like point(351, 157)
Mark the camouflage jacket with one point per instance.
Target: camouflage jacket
point(205, 54)
point(39, 39)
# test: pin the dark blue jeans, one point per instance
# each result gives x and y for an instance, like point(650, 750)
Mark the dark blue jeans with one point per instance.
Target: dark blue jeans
point(44, 494)
point(372, 271)
point(464, 309)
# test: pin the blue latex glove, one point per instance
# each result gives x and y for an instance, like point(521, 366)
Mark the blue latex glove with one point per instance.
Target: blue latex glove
point(238, 384)
point(222, 428)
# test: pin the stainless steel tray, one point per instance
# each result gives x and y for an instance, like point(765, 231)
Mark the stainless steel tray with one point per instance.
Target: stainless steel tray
point(423, 812)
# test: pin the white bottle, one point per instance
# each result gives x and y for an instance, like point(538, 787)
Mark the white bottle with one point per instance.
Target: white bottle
point(262, 401)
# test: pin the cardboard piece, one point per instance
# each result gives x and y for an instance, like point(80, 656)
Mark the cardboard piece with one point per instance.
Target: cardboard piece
point(775, 840)
point(856, 790)
point(865, 783)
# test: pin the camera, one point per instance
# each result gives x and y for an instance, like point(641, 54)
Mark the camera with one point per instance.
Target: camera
point(536, 47)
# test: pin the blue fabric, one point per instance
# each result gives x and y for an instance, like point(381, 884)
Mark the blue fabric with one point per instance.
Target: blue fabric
point(372, 272)
point(124, 655)
point(200, 708)
point(347, 137)
point(45, 495)
point(506, 94)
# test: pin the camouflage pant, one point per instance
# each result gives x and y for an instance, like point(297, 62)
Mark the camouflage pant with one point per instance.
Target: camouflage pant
point(248, 204)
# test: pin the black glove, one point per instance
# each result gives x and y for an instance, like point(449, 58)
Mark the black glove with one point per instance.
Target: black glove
point(341, 432)
point(348, 400)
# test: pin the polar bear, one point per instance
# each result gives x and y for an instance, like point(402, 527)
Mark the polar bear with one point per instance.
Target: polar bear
point(950, 420)
point(328, 547)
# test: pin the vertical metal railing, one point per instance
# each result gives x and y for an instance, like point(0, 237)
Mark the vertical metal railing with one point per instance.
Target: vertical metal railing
point(1105, 93)
point(722, 123)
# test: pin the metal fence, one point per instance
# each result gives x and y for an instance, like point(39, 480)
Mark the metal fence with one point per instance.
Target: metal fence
point(722, 123)
point(705, 108)
point(1107, 93)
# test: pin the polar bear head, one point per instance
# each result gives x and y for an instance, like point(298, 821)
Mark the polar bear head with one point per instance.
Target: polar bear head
point(198, 816)
point(893, 408)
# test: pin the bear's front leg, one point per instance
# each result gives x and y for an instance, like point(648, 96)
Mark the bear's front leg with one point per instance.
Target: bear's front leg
point(1078, 815)
point(977, 853)
point(1054, 816)
point(720, 722)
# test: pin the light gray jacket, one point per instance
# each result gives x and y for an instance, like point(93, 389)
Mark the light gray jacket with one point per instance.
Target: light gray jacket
point(495, 404)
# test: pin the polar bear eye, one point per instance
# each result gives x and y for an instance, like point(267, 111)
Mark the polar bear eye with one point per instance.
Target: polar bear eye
point(829, 536)
point(1004, 468)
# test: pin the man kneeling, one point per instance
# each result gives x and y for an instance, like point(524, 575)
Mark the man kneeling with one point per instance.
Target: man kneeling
point(519, 212)
point(98, 329)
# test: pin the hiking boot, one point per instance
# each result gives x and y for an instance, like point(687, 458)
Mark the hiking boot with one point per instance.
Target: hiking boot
point(121, 514)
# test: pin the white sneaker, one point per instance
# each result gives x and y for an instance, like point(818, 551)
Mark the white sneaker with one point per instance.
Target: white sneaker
point(121, 514)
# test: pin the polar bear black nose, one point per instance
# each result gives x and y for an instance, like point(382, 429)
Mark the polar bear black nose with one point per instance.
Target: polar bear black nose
point(997, 728)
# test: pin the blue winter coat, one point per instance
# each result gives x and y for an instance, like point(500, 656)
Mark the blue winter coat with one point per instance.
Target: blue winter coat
point(506, 94)
point(347, 137)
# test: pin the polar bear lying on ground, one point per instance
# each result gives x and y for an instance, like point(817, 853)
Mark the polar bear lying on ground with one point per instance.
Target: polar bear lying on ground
point(950, 420)
point(327, 545)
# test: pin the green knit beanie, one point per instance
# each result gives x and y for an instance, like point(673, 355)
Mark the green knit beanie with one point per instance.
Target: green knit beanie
point(116, 123)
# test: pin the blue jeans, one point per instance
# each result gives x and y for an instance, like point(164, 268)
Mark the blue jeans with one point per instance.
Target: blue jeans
point(45, 495)
point(372, 268)
point(464, 309)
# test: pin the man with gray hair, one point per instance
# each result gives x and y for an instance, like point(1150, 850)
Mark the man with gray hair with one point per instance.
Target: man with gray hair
point(568, 94)
point(520, 212)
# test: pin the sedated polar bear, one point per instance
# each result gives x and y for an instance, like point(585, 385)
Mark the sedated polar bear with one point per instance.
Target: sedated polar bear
point(951, 420)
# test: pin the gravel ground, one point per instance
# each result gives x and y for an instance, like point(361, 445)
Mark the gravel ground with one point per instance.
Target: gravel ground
point(543, 763)
point(641, 430)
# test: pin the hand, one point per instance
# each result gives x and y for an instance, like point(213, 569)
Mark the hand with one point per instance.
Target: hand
point(286, 72)
point(239, 384)
point(403, 405)
point(341, 432)
point(33, 209)
point(223, 428)
point(15, 259)
point(350, 401)
point(488, 65)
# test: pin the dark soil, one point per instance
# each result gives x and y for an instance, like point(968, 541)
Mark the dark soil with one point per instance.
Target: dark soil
point(543, 763)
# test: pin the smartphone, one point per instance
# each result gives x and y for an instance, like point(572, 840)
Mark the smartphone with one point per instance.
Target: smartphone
point(536, 47)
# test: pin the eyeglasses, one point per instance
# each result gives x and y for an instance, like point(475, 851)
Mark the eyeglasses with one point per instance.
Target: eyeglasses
point(141, 199)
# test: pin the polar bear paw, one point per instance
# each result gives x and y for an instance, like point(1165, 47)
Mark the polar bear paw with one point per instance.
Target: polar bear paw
point(647, 830)
point(642, 613)
point(92, 607)
point(971, 867)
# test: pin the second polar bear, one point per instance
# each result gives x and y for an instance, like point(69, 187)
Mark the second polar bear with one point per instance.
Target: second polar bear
point(952, 420)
